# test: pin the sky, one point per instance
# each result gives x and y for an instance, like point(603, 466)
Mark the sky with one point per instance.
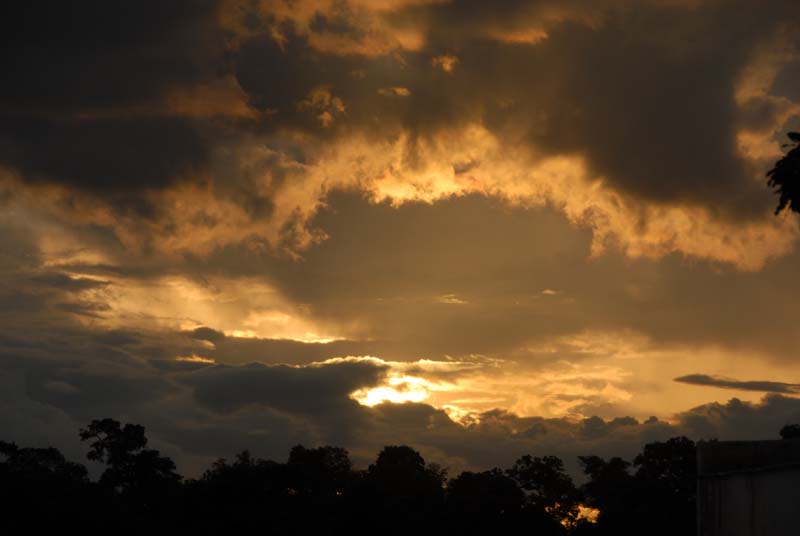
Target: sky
point(483, 229)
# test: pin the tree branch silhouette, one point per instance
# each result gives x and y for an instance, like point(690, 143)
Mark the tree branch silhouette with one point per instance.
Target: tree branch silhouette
point(784, 177)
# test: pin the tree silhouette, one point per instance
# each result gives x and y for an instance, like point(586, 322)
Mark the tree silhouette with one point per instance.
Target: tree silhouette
point(660, 495)
point(790, 431)
point(666, 475)
point(547, 486)
point(785, 176)
point(484, 502)
point(45, 464)
point(40, 490)
point(122, 449)
point(405, 468)
point(318, 491)
point(401, 486)
point(673, 462)
point(608, 488)
point(242, 497)
point(320, 472)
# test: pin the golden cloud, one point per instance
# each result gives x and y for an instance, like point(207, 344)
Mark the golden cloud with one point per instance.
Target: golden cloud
point(197, 218)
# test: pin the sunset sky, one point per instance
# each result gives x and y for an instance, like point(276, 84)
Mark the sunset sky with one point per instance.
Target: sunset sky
point(479, 228)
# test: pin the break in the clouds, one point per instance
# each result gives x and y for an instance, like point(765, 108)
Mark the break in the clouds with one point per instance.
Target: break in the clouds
point(478, 228)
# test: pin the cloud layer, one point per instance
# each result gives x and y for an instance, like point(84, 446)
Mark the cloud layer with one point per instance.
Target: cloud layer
point(480, 229)
point(648, 122)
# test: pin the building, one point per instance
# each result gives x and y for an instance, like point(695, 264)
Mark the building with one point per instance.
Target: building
point(748, 488)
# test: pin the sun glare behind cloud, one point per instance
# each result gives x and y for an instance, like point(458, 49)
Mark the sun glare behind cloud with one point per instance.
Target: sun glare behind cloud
point(398, 389)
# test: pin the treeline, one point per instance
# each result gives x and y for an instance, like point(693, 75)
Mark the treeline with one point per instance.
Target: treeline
point(317, 490)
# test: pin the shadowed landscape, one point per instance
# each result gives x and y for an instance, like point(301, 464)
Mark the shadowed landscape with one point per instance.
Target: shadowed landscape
point(318, 490)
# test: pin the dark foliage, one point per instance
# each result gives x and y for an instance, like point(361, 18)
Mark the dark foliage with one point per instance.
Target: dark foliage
point(660, 492)
point(142, 483)
point(548, 488)
point(39, 489)
point(489, 499)
point(317, 490)
point(785, 176)
point(790, 431)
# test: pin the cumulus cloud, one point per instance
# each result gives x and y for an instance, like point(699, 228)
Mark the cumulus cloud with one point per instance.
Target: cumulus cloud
point(607, 114)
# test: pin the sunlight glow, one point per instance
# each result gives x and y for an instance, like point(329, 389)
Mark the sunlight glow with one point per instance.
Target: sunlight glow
point(399, 389)
point(588, 513)
point(195, 359)
point(461, 416)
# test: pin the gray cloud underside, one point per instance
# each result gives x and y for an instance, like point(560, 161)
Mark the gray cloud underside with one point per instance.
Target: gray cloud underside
point(728, 383)
point(52, 385)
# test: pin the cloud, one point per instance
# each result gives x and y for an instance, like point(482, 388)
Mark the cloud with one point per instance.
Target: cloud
point(314, 388)
point(741, 420)
point(445, 62)
point(70, 284)
point(643, 139)
point(729, 383)
point(95, 59)
point(195, 413)
point(534, 214)
point(107, 130)
point(394, 91)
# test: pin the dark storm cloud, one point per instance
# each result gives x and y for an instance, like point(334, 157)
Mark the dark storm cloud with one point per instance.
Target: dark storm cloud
point(305, 390)
point(645, 90)
point(281, 78)
point(277, 76)
point(105, 156)
point(24, 296)
point(63, 57)
point(787, 84)
point(728, 383)
point(118, 337)
point(83, 83)
point(65, 376)
point(742, 420)
point(245, 350)
point(81, 391)
point(198, 442)
point(65, 282)
point(207, 334)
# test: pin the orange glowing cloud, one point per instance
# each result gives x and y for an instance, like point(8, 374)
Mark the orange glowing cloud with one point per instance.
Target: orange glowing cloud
point(376, 35)
point(200, 220)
